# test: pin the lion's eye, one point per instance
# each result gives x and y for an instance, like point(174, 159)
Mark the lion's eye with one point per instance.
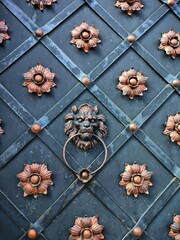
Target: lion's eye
point(93, 120)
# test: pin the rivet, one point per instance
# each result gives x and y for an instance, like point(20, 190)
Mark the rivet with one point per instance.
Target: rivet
point(32, 234)
point(133, 127)
point(137, 232)
point(39, 33)
point(86, 80)
point(171, 2)
point(131, 38)
point(176, 83)
point(36, 128)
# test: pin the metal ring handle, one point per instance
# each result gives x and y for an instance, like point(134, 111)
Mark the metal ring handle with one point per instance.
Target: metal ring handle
point(64, 152)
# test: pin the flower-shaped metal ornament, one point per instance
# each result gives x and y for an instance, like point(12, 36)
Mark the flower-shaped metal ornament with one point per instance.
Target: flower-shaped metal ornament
point(175, 228)
point(86, 228)
point(85, 36)
point(170, 43)
point(136, 179)
point(35, 179)
point(3, 31)
point(173, 128)
point(129, 6)
point(1, 130)
point(132, 83)
point(41, 3)
point(39, 80)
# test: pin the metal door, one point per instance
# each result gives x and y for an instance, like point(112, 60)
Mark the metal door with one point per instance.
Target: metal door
point(53, 214)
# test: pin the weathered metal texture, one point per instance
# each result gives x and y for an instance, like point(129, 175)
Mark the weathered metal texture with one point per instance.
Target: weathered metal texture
point(119, 214)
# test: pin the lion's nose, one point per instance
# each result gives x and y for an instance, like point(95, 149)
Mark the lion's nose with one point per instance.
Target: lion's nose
point(86, 124)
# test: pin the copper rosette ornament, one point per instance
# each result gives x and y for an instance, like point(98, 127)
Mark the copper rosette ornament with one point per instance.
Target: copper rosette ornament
point(175, 228)
point(3, 31)
point(41, 3)
point(1, 130)
point(170, 43)
point(35, 179)
point(86, 228)
point(39, 80)
point(85, 36)
point(129, 6)
point(132, 83)
point(136, 179)
point(173, 128)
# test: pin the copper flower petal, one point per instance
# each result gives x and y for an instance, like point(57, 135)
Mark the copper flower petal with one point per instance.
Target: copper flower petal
point(139, 90)
point(42, 188)
point(23, 176)
point(46, 174)
point(126, 176)
point(131, 73)
point(123, 79)
point(126, 90)
point(167, 132)
point(143, 168)
point(172, 234)
point(84, 25)
point(144, 188)
point(123, 183)
point(94, 220)
point(75, 230)
point(34, 168)
point(136, 6)
point(94, 31)
point(175, 137)
point(28, 189)
point(96, 228)
point(124, 6)
point(93, 42)
point(170, 123)
point(146, 175)
point(141, 79)
point(86, 222)
point(130, 188)
point(170, 51)
point(177, 118)
point(128, 168)
point(136, 168)
point(78, 222)
point(28, 76)
point(99, 236)
point(162, 47)
point(171, 33)
point(75, 33)
point(176, 218)
point(177, 237)
point(48, 74)
point(165, 39)
point(74, 237)
point(80, 43)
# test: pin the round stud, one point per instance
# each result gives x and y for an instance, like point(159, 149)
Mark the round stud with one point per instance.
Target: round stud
point(32, 234)
point(133, 127)
point(131, 38)
point(137, 232)
point(87, 234)
point(86, 80)
point(133, 82)
point(85, 175)
point(137, 179)
point(85, 35)
point(34, 179)
point(170, 2)
point(36, 128)
point(39, 33)
point(174, 42)
point(176, 83)
point(38, 79)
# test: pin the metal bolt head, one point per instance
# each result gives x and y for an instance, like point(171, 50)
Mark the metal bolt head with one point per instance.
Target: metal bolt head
point(86, 80)
point(34, 179)
point(137, 232)
point(87, 233)
point(176, 83)
point(133, 127)
point(32, 234)
point(39, 33)
point(170, 2)
point(36, 128)
point(131, 38)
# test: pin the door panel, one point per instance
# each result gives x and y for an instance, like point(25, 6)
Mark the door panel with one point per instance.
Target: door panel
point(53, 214)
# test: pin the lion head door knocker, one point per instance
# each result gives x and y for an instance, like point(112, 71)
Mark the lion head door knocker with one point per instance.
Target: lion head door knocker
point(39, 80)
point(1, 130)
point(175, 228)
point(129, 6)
point(41, 3)
point(85, 127)
point(3, 31)
point(86, 228)
point(35, 179)
point(85, 36)
point(132, 83)
point(170, 43)
point(136, 179)
point(173, 128)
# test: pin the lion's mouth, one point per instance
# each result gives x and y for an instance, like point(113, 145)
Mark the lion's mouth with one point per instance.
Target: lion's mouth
point(86, 134)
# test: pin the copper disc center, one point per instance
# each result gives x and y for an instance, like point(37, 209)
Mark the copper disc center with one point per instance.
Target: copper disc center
point(34, 179)
point(174, 42)
point(137, 179)
point(133, 82)
point(87, 233)
point(38, 79)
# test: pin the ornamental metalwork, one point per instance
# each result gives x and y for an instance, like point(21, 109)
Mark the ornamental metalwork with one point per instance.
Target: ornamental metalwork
point(136, 179)
point(86, 228)
point(85, 36)
point(1, 130)
point(132, 83)
point(170, 43)
point(3, 31)
point(129, 6)
point(35, 179)
point(173, 128)
point(175, 228)
point(86, 122)
point(39, 80)
point(42, 3)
